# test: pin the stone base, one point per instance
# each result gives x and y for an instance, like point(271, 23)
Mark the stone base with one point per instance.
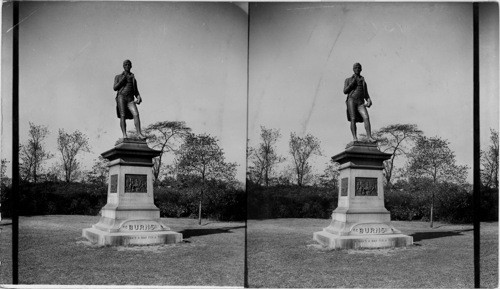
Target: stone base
point(337, 242)
point(131, 238)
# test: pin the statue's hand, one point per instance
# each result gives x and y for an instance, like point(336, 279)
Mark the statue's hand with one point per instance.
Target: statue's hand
point(138, 100)
point(354, 82)
point(368, 103)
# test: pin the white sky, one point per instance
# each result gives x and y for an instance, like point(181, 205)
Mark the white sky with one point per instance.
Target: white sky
point(416, 57)
point(190, 61)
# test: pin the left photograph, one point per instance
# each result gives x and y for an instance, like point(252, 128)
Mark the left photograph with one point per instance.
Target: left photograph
point(132, 132)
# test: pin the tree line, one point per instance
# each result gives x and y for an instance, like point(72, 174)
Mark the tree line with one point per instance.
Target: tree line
point(422, 168)
point(414, 158)
point(197, 157)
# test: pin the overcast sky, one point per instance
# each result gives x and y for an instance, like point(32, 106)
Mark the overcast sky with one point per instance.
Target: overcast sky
point(190, 61)
point(417, 62)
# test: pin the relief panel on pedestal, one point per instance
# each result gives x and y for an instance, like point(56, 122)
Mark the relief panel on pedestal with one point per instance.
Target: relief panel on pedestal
point(366, 187)
point(136, 183)
point(113, 184)
point(343, 186)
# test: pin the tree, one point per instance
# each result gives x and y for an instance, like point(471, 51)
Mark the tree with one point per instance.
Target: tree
point(32, 154)
point(489, 162)
point(329, 178)
point(301, 149)
point(394, 139)
point(264, 158)
point(433, 159)
point(163, 136)
point(4, 180)
point(70, 145)
point(54, 173)
point(99, 172)
point(201, 156)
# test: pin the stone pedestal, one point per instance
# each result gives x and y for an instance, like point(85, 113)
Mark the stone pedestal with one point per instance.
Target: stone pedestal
point(130, 216)
point(361, 219)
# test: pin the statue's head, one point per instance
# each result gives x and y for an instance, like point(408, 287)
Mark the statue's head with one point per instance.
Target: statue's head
point(127, 65)
point(357, 68)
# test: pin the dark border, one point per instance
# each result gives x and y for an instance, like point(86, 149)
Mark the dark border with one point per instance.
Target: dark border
point(15, 144)
point(476, 149)
point(245, 261)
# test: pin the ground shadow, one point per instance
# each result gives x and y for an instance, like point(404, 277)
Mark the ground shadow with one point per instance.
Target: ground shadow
point(419, 236)
point(187, 233)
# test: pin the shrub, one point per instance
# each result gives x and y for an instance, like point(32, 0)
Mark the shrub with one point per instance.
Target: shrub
point(406, 200)
point(219, 203)
point(5, 198)
point(489, 204)
point(411, 200)
point(60, 198)
point(288, 201)
point(407, 205)
point(173, 202)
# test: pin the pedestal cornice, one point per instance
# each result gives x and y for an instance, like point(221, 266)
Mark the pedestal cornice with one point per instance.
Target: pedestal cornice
point(131, 151)
point(361, 153)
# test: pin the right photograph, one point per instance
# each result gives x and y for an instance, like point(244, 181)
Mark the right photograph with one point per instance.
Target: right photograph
point(360, 145)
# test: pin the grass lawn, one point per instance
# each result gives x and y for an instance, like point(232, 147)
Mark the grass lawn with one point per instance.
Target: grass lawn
point(489, 255)
point(52, 251)
point(282, 253)
point(6, 251)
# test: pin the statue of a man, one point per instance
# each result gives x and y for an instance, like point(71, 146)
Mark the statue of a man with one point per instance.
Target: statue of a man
point(357, 101)
point(126, 108)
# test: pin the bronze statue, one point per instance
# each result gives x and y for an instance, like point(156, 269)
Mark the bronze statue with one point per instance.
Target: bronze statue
point(357, 101)
point(126, 108)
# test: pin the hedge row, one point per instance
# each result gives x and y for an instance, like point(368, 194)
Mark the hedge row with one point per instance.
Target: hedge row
point(50, 198)
point(217, 204)
point(406, 201)
point(290, 202)
point(451, 204)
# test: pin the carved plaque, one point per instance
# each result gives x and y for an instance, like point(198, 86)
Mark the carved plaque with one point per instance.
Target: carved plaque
point(141, 225)
point(371, 229)
point(343, 187)
point(366, 187)
point(136, 183)
point(114, 183)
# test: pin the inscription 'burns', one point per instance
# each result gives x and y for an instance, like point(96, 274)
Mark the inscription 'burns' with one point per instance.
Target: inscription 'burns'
point(371, 229)
point(142, 227)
